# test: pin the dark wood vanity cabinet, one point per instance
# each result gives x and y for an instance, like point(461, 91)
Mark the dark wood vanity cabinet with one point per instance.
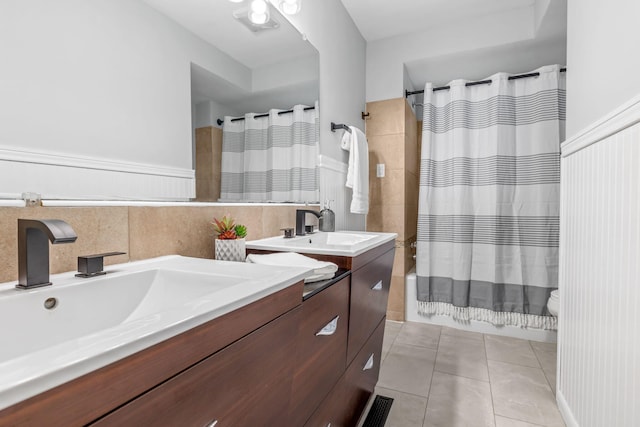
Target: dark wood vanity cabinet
point(245, 384)
point(321, 351)
point(233, 366)
point(370, 283)
point(344, 404)
point(278, 361)
point(334, 378)
point(369, 295)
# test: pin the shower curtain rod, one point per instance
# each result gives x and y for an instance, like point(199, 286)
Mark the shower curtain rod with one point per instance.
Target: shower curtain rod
point(220, 122)
point(479, 82)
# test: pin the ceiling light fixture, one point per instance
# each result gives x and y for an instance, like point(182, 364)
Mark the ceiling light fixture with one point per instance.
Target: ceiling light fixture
point(259, 12)
point(290, 7)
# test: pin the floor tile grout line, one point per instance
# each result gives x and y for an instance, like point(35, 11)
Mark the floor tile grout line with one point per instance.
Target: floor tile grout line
point(544, 373)
point(403, 392)
point(433, 371)
point(535, 354)
point(486, 355)
point(474, 341)
point(520, 366)
point(515, 363)
point(392, 342)
point(415, 346)
point(461, 376)
point(420, 349)
point(528, 422)
point(426, 407)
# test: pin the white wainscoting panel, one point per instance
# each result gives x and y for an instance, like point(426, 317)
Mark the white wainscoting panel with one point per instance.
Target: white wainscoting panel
point(58, 176)
point(599, 320)
point(333, 175)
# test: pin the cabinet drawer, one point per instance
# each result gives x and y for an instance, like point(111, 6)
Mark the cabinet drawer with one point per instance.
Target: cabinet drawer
point(245, 384)
point(322, 349)
point(369, 294)
point(345, 403)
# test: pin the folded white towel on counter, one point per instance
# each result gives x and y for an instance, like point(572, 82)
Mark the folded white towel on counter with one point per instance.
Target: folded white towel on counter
point(318, 277)
point(358, 171)
point(319, 270)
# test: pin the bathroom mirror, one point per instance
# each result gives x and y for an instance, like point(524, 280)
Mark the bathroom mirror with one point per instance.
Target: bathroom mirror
point(284, 73)
point(99, 100)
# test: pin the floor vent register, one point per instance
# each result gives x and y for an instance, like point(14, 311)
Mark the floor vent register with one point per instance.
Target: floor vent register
point(378, 412)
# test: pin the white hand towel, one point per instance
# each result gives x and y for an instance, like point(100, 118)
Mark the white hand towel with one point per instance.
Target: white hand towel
point(358, 171)
point(345, 143)
point(319, 270)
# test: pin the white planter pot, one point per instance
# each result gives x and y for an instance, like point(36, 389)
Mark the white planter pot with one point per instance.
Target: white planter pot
point(230, 250)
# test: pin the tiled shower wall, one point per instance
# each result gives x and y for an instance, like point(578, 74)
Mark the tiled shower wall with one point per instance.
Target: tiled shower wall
point(392, 133)
point(208, 158)
point(142, 232)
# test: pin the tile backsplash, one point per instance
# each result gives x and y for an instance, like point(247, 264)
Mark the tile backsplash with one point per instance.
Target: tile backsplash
point(142, 232)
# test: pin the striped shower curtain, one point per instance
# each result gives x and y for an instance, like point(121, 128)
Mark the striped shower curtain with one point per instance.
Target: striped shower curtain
point(272, 158)
point(489, 199)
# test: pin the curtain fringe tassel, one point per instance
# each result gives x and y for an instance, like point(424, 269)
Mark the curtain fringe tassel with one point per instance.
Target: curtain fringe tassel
point(485, 315)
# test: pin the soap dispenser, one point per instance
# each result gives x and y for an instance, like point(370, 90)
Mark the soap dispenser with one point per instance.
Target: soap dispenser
point(327, 218)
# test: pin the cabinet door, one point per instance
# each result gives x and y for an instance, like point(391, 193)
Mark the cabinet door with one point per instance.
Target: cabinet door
point(345, 403)
point(369, 294)
point(246, 384)
point(322, 349)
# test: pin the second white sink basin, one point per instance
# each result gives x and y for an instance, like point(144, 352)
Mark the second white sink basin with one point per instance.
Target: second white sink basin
point(331, 239)
point(344, 243)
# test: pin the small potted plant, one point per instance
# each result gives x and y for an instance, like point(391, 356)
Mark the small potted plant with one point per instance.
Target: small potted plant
point(229, 241)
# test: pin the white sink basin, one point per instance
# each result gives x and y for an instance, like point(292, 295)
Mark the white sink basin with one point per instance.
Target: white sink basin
point(100, 320)
point(97, 305)
point(339, 239)
point(345, 243)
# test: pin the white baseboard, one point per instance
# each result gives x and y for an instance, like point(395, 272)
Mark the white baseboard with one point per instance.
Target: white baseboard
point(565, 411)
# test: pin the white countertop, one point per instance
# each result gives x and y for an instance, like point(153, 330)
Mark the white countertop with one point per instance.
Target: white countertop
point(341, 243)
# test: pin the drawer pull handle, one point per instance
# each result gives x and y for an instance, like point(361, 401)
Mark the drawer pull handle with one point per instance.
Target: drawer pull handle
point(212, 423)
point(369, 363)
point(377, 286)
point(330, 328)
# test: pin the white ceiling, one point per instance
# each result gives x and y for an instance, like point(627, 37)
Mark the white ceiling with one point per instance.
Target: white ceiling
point(212, 21)
point(435, 39)
point(206, 86)
point(377, 20)
point(381, 19)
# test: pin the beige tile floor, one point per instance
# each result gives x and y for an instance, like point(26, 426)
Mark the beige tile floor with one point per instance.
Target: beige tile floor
point(440, 376)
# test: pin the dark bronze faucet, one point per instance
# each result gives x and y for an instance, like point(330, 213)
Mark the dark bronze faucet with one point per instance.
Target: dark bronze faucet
point(300, 223)
point(33, 249)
